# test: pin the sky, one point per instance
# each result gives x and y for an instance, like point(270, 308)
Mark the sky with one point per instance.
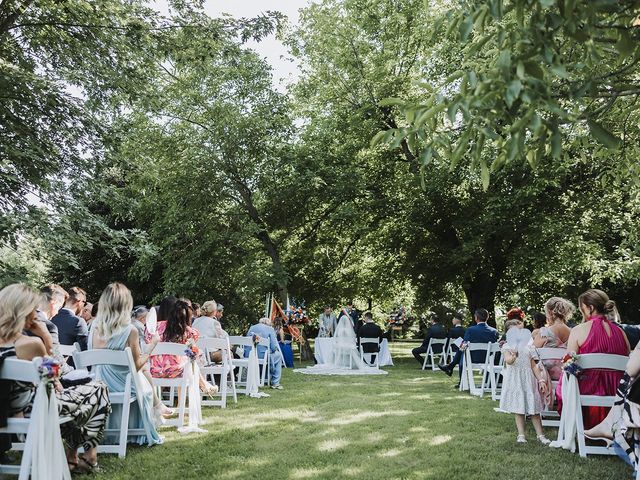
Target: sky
point(285, 70)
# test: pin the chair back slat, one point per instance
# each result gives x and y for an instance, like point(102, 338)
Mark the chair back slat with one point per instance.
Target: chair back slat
point(208, 343)
point(19, 370)
point(242, 341)
point(369, 340)
point(602, 361)
point(547, 353)
point(100, 356)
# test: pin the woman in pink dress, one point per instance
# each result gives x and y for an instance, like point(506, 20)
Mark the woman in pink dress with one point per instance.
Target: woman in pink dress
point(177, 329)
point(598, 334)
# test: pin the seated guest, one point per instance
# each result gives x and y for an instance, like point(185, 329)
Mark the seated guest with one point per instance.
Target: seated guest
point(284, 341)
point(86, 313)
point(139, 320)
point(177, 329)
point(539, 321)
point(220, 312)
point(263, 329)
point(71, 327)
point(632, 332)
point(196, 310)
point(479, 333)
point(112, 330)
point(555, 333)
point(457, 330)
point(597, 334)
point(370, 330)
point(622, 423)
point(52, 298)
point(436, 330)
point(84, 407)
point(207, 324)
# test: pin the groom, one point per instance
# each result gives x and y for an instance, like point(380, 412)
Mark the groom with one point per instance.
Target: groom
point(370, 330)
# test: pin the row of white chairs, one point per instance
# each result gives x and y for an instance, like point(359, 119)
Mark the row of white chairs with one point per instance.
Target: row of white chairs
point(24, 371)
point(445, 355)
point(490, 371)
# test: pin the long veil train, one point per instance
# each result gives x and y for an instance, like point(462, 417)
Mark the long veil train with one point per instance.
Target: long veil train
point(345, 359)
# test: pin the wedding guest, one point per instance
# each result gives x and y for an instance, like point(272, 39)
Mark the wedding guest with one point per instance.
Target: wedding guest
point(166, 307)
point(456, 331)
point(479, 333)
point(353, 314)
point(555, 333)
point(112, 330)
point(522, 385)
point(139, 320)
point(86, 313)
point(207, 324)
point(597, 334)
point(177, 329)
point(220, 312)
point(52, 297)
point(327, 322)
point(71, 327)
point(436, 330)
point(263, 329)
point(196, 310)
point(370, 330)
point(83, 409)
point(622, 423)
point(284, 341)
point(539, 321)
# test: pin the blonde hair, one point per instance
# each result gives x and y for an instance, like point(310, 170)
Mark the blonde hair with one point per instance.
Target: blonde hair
point(17, 302)
point(559, 308)
point(114, 310)
point(208, 307)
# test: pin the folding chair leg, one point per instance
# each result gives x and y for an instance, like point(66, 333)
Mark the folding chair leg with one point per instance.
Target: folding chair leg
point(124, 427)
point(182, 400)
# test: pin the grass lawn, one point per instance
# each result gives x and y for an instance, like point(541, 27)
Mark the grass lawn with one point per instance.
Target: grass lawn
point(408, 424)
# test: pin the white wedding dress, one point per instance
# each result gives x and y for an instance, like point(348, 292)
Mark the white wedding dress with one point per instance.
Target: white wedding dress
point(346, 358)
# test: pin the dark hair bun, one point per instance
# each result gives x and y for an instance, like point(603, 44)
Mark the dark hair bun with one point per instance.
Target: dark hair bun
point(609, 306)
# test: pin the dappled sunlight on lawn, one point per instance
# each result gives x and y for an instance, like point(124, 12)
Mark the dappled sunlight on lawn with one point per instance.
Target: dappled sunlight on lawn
point(394, 452)
point(439, 440)
point(332, 445)
point(308, 472)
point(366, 415)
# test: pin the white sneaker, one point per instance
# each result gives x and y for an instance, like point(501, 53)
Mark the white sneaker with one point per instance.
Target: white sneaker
point(521, 439)
point(277, 387)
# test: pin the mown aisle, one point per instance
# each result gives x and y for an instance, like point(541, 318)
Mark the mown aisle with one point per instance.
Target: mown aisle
point(408, 424)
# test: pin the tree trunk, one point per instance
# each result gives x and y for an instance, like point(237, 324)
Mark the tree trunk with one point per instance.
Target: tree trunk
point(480, 290)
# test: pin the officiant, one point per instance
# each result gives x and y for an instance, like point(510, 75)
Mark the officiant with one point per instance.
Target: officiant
point(327, 322)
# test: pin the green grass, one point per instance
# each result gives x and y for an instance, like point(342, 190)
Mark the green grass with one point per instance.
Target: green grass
point(408, 424)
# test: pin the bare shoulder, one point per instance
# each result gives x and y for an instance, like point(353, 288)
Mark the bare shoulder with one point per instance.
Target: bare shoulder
point(28, 348)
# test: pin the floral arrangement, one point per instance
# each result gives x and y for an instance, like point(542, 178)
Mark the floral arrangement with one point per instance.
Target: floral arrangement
point(192, 351)
point(297, 315)
point(256, 339)
point(570, 365)
point(49, 369)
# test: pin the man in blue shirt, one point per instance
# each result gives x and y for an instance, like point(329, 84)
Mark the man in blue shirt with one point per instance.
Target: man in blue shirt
point(263, 329)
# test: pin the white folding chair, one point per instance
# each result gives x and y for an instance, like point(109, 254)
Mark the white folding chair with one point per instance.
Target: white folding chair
point(241, 363)
point(596, 361)
point(468, 368)
point(431, 354)
point(450, 351)
point(224, 369)
point(367, 358)
point(494, 370)
point(550, 416)
point(181, 383)
point(67, 350)
point(21, 371)
point(120, 358)
point(265, 378)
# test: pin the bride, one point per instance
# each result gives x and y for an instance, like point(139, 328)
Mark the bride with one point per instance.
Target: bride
point(346, 357)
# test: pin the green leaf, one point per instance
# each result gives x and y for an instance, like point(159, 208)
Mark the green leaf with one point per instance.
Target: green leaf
point(377, 138)
point(625, 45)
point(504, 63)
point(426, 156)
point(385, 102)
point(485, 175)
point(460, 149)
point(465, 28)
point(513, 91)
point(451, 111)
point(534, 69)
point(604, 136)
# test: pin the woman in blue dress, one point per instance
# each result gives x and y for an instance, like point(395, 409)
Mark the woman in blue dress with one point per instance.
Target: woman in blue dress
point(112, 329)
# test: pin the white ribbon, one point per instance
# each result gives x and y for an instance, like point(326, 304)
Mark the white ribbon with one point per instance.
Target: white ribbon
point(253, 375)
point(48, 459)
point(570, 407)
point(194, 397)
